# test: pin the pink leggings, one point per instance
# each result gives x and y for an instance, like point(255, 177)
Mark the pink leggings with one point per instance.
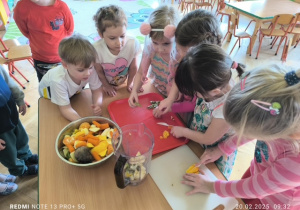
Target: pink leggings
point(250, 202)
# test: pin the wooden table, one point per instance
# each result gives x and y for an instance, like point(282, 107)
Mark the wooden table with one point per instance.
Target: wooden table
point(94, 188)
point(263, 10)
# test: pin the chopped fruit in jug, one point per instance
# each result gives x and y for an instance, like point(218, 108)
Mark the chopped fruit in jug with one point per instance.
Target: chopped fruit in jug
point(135, 169)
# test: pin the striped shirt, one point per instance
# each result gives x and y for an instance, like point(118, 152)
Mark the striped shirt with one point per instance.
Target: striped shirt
point(275, 175)
point(160, 73)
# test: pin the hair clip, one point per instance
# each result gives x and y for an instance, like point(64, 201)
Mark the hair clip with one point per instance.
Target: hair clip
point(243, 79)
point(291, 78)
point(273, 108)
point(234, 65)
point(169, 30)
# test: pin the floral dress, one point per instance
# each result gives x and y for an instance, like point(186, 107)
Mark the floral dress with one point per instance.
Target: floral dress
point(204, 112)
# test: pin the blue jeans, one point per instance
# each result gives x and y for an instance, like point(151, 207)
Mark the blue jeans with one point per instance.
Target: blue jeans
point(16, 150)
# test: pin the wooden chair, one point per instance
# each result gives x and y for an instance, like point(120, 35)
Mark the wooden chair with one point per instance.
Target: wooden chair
point(241, 34)
point(203, 3)
point(223, 11)
point(186, 6)
point(5, 45)
point(12, 54)
point(277, 30)
point(295, 30)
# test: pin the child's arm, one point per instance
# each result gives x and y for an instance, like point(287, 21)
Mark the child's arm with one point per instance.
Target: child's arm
point(60, 97)
point(69, 113)
point(166, 104)
point(68, 21)
point(20, 21)
point(131, 73)
point(138, 80)
point(107, 88)
point(281, 176)
point(17, 93)
point(97, 98)
point(227, 147)
point(214, 132)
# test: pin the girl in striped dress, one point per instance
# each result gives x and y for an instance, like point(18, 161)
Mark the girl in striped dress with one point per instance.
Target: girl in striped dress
point(264, 106)
point(157, 52)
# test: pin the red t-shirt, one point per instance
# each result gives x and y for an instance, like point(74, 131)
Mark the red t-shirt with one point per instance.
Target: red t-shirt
point(45, 27)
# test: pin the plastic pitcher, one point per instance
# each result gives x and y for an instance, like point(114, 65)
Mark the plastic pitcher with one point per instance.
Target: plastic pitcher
point(134, 155)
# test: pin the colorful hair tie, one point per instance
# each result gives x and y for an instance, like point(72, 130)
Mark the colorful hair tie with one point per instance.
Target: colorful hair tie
point(169, 30)
point(291, 78)
point(273, 108)
point(234, 65)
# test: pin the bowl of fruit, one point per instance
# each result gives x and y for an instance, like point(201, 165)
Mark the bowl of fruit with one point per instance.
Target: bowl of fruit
point(88, 141)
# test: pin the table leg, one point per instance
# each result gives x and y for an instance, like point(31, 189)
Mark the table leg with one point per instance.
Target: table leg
point(254, 35)
point(233, 20)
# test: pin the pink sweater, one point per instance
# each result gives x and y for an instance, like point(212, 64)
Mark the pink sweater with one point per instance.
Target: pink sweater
point(275, 175)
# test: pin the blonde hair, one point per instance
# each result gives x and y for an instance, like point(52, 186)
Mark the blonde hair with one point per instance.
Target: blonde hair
point(108, 16)
point(265, 84)
point(77, 50)
point(160, 18)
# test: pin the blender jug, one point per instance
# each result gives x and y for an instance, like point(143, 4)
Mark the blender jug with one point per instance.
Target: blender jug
point(134, 155)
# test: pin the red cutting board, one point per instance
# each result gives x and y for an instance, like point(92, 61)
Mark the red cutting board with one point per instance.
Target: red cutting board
point(123, 114)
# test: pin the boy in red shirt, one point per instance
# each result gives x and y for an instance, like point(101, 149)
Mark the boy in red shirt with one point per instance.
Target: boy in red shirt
point(45, 23)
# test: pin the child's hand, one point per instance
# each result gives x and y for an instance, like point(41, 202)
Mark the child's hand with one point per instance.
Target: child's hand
point(141, 90)
point(165, 106)
point(97, 110)
point(129, 88)
point(22, 109)
point(157, 113)
point(210, 155)
point(200, 183)
point(177, 131)
point(133, 99)
point(2, 144)
point(110, 90)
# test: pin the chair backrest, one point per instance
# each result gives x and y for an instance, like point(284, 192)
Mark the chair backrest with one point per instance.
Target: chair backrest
point(295, 22)
point(282, 20)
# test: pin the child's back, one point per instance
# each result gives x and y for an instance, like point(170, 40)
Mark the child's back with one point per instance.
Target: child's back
point(265, 105)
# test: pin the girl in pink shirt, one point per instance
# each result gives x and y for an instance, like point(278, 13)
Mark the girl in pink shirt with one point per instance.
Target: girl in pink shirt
point(264, 105)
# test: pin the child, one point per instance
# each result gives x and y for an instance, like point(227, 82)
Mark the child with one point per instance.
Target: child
point(196, 27)
point(116, 52)
point(157, 51)
point(14, 149)
point(59, 84)
point(45, 23)
point(266, 106)
point(205, 72)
